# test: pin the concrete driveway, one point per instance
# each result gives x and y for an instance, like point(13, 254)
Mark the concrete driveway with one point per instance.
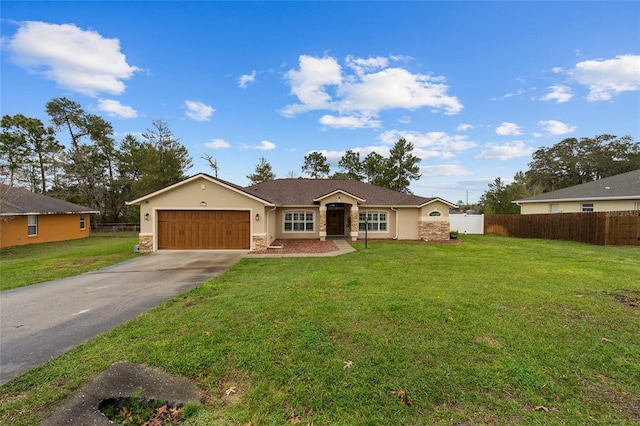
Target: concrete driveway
point(43, 321)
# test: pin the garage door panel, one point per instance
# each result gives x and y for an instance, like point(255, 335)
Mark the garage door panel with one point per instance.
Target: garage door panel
point(197, 230)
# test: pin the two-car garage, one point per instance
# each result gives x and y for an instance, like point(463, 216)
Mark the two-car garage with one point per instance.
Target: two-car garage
point(203, 229)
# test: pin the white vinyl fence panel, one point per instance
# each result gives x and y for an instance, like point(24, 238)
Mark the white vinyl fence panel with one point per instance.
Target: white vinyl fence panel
point(467, 223)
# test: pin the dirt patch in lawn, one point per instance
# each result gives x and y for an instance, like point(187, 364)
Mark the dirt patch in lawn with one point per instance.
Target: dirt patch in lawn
point(631, 301)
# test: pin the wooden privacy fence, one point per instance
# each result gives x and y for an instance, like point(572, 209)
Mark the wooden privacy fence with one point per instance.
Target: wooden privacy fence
point(600, 228)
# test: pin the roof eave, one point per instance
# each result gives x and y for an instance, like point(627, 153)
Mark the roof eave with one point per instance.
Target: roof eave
point(592, 198)
point(48, 213)
point(140, 200)
point(341, 191)
point(438, 199)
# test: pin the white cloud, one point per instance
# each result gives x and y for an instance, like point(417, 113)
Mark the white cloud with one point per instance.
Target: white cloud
point(333, 157)
point(430, 144)
point(463, 127)
point(443, 170)
point(116, 109)
point(361, 65)
point(396, 88)
point(507, 129)
point(198, 111)
point(558, 93)
point(309, 82)
point(265, 146)
point(217, 144)
point(244, 80)
point(556, 127)
point(77, 60)
point(350, 122)
point(370, 87)
point(505, 152)
point(509, 95)
point(607, 78)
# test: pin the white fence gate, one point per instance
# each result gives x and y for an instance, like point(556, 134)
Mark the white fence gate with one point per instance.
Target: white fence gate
point(467, 223)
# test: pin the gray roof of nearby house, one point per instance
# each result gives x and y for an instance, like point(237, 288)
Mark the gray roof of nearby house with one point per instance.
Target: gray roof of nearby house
point(301, 191)
point(19, 202)
point(619, 187)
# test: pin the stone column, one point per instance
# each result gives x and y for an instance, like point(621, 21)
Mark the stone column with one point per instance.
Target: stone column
point(323, 222)
point(145, 241)
point(355, 217)
point(259, 242)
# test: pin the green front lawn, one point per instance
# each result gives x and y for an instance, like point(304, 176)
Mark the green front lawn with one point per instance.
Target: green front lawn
point(494, 330)
point(36, 263)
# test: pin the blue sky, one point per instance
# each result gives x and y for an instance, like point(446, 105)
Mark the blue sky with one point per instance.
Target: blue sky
point(475, 86)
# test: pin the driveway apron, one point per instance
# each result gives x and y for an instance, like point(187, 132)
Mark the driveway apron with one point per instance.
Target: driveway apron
point(43, 321)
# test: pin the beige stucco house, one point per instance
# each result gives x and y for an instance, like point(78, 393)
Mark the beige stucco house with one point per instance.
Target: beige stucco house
point(203, 212)
point(615, 193)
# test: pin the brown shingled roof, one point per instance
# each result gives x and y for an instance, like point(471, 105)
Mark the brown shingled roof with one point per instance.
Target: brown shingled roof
point(303, 191)
point(18, 202)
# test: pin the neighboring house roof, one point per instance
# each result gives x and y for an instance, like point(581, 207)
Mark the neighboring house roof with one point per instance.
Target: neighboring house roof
point(20, 202)
point(307, 192)
point(619, 187)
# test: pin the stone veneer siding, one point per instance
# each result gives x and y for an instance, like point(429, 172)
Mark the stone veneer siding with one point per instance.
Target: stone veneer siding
point(259, 242)
point(146, 243)
point(323, 224)
point(434, 230)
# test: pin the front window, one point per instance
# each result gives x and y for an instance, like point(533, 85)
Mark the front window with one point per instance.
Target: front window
point(586, 207)
point(32, 225)
point(298, 222)
point(83, 221)
point(373, 221)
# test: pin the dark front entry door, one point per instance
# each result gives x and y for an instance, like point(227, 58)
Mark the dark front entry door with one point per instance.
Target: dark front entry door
point(335, 222)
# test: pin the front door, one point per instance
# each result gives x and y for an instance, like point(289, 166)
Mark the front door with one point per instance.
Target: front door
point(335, 222)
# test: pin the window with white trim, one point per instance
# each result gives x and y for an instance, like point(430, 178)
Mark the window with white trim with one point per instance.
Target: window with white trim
point(637, 205)
point(32, 225)
point(373, 221)
point(83, 221)
point(435, 213)
point(586, 207)
point(299, 221)
point(554, 208)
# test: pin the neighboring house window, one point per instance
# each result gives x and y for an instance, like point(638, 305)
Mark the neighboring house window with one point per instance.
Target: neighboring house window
point(298, 222)
point(375, 221)
point(586, 207)
point(435, 214)
point(638, 205)
point(83, 221)
point(554, 208)
point(32, 225)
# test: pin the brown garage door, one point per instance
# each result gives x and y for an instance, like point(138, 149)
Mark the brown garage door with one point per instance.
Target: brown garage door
point(196, 230)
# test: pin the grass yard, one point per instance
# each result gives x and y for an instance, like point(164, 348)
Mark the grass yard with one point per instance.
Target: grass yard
point(36, 263)
point(491, 331)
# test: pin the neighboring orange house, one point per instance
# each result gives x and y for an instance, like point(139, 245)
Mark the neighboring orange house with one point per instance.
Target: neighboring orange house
point(30, 218)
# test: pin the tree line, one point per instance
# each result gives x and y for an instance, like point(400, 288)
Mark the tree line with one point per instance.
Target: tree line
point(100, 172)
point(95, 170)
point(567, 163)
point(394, 172)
